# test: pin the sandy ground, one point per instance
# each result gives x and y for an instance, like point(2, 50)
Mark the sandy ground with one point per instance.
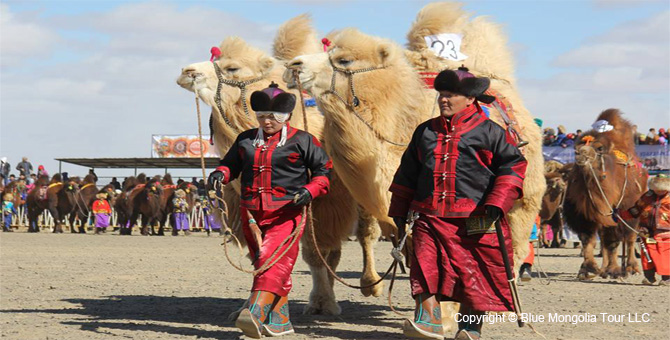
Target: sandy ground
point(110, 287)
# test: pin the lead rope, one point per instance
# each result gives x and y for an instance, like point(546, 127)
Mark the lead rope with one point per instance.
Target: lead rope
point(275, 258)
point(310, 217)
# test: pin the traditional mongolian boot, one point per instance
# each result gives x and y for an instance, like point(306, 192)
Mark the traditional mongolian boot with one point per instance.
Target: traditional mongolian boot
point(665, 280)
point(278, 322)
point(97, 231)
point(471, 329)
point(251, 319)
point(427, 322)
point(649, 277)
point(175, 232)
point(524, 272)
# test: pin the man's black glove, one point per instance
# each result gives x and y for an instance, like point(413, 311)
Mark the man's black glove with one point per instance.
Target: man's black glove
point(303, 197)
point(400, 223)
point(493, 212)
point(215, 176)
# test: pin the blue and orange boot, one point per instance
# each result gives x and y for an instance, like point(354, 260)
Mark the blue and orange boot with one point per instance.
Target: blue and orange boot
point(427, 323)
point(278, 322)
point(251, 319)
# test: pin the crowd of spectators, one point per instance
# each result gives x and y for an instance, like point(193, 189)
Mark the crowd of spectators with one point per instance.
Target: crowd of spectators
point(563, 139)
point(27, 175)
point(652, 137)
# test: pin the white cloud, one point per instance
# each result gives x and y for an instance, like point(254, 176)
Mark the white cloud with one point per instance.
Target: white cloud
point(20, 39)
point(120, 87)
point(622, 3)
point(625, 68)
point(642, 43)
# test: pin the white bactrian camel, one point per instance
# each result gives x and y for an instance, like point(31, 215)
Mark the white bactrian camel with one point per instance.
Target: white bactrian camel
point(394, 101)
point(334, 214)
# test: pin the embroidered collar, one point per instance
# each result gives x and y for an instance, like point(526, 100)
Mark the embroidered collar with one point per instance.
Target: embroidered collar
point(461, 117)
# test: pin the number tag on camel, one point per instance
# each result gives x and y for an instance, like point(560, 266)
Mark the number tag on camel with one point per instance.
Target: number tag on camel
point(446, 45)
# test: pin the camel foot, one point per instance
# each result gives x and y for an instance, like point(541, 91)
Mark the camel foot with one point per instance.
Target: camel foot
point(325, 305)
point(632, 268)
point(585, 276)
point(588, 270)
point(376, 290)
point(613, 272)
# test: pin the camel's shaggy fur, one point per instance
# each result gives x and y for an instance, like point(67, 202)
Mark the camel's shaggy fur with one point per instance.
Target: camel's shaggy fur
point(394, 102)
point(335, 213)
point(605, 159)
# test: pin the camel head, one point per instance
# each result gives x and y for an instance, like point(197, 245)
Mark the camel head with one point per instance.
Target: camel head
point(153, 189)
point(555, 186)
point(379, 71)
point(201, 77)
point(593, 151)
point(308, 66)
point(608, 143)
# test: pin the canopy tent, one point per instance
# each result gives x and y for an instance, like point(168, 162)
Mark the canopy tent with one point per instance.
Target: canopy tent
point(139, 163)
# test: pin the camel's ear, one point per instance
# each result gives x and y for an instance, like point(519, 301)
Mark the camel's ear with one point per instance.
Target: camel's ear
point(385, 52)
point(266, 64)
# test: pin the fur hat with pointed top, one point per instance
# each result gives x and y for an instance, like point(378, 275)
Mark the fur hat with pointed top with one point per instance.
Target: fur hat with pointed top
point(660, 182)
point(463, 82)
point(273, 99)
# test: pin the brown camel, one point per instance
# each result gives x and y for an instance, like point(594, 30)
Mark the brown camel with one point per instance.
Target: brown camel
point(147, 203)
point(551, 213)
point(59, 200)
point(83, 201)
point(124, 203)
point(607, 177)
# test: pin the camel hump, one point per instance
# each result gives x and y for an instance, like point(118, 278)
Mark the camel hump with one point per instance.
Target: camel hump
point(295, 37)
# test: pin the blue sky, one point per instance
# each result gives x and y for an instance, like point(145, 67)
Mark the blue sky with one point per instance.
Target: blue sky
point(103, 71)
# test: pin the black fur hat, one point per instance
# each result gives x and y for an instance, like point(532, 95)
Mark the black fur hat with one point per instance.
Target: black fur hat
point(273, 99)
point(463, 82)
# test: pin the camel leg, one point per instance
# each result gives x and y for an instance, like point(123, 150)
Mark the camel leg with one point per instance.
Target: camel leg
point(632, 265)
point(145, 226)
point(333, 260)
point(368, 233)
point(58, 223)
point(610, 244)
point(589, 267)
point(322, 297)
point(33, 215)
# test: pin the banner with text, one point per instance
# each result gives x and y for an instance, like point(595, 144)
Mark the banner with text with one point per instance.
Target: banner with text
point(175, 146)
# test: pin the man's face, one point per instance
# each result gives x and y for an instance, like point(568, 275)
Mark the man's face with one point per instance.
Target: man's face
point(452, 103)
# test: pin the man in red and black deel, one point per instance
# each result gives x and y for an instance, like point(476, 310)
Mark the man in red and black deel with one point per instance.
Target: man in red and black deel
point(460, 173)
point(273, 162)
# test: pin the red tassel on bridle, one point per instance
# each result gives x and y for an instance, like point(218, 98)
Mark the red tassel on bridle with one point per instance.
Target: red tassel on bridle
point(326, 43)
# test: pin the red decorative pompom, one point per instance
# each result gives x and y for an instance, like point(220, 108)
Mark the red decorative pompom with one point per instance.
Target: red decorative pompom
point(216, 53)
point(326, 43)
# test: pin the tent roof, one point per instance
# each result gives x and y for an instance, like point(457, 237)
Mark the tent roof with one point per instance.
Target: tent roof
point(141, 163)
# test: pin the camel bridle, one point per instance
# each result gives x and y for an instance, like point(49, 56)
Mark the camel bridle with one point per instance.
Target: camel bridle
point(599, 155)
point(240, 84)
point(355, 102)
